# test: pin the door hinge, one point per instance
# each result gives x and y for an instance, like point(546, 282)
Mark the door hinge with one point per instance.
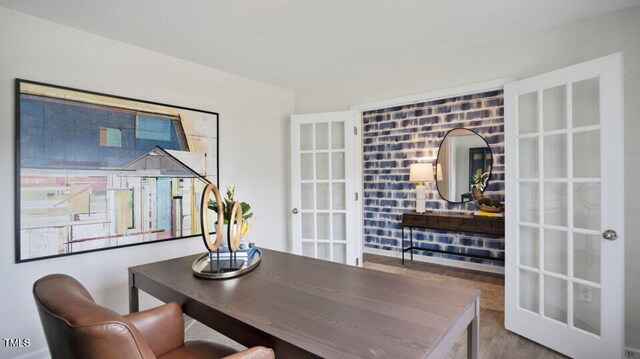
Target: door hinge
point(356, 196)
point(357, 262)
point(355, 130)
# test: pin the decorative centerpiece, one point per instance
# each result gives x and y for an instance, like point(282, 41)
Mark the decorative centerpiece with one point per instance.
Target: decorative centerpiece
point(231, 261)
point(486, 204)
point(227, 208)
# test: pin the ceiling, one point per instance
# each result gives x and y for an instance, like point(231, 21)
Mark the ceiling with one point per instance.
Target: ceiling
point(304, 43)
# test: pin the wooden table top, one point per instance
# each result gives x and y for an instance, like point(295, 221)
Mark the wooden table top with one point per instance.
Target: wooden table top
point(327, 309)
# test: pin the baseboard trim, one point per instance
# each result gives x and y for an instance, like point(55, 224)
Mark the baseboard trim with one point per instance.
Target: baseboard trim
point(441, 261)
point(631, 352)
point(41, 353)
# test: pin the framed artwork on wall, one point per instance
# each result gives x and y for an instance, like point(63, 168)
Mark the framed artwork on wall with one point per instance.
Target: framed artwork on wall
point(97, 171)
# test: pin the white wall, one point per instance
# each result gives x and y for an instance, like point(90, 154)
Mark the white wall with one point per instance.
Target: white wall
point(520, 58)
point(253, 152)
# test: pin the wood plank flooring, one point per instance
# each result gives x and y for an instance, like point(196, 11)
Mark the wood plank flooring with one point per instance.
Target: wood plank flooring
point(495, 341)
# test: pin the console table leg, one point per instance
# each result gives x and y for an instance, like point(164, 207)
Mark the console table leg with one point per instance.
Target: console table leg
point(402, 245)
point(411, 242)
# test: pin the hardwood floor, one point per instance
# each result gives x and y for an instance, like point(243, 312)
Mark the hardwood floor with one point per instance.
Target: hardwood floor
point(495, 341)
point(436, 269)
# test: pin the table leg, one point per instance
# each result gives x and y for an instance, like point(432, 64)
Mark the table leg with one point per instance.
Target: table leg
point(134, 305)
point(473, 334)
point(402, 245)
point(411, 242)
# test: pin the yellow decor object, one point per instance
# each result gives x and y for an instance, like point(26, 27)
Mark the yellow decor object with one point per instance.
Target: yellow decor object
point(487, 214)
point(246, 227)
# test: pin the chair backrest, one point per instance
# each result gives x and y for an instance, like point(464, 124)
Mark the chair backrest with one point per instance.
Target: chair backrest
point(76, 327)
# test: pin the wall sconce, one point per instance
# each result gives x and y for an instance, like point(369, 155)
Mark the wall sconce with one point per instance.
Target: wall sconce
point(421, 173)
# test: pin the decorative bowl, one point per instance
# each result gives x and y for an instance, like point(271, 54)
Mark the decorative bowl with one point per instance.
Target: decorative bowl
point(491, 209)
point(481, 201)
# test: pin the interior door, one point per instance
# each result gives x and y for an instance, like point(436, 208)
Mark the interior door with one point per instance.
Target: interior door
point(565, 209)
point(324, 185)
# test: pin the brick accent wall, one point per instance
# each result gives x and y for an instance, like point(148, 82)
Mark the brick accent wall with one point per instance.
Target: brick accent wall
point(396, 137)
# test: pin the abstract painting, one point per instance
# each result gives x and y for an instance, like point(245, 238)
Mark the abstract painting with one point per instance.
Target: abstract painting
point(97, 171)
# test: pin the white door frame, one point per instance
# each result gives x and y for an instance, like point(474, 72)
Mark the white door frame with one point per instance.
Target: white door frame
point(461, 90)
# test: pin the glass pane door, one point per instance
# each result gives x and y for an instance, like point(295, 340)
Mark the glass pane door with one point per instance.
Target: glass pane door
point(324, 181)
point(560, 176)
point(559, 187)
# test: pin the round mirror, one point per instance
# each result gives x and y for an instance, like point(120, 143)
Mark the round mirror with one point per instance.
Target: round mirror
point(464, 159)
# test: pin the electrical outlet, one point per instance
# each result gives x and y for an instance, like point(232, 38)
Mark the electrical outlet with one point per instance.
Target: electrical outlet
point(632, 353)
point(586, 293)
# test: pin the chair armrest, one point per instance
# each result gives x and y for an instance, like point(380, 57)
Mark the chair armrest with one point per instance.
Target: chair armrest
point(162, 327)
point(253, 353)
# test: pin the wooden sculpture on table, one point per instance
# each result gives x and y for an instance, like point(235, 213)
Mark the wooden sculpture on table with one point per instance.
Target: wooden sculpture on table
point(204, 218)
point(221, 262)
point(485, 203)
point(479, 182)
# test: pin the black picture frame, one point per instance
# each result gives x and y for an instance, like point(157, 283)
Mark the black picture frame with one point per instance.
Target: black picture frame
point(17, 165)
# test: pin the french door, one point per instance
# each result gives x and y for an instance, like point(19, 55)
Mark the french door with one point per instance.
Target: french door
point(565, 209)
point(324, 186)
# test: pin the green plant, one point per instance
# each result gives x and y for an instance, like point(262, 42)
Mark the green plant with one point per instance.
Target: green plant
point(227, 206)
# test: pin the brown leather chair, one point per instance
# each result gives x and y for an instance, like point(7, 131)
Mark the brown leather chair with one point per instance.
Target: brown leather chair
point(76, 327)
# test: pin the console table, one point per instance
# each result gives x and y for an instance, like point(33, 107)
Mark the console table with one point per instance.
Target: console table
point(452, 222)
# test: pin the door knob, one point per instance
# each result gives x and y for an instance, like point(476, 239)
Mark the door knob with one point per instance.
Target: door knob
point(294, 211)
point(610, 235)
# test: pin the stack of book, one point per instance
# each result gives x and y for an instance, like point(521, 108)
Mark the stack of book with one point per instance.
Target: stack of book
point(242, 253)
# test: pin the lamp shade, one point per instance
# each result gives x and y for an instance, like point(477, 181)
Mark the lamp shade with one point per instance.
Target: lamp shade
point(421, 172)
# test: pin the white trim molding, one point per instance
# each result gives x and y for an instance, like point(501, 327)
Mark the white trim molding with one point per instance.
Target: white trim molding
point(41, 353)
point(631, 352)
point(435, 95)
point(436, 260)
